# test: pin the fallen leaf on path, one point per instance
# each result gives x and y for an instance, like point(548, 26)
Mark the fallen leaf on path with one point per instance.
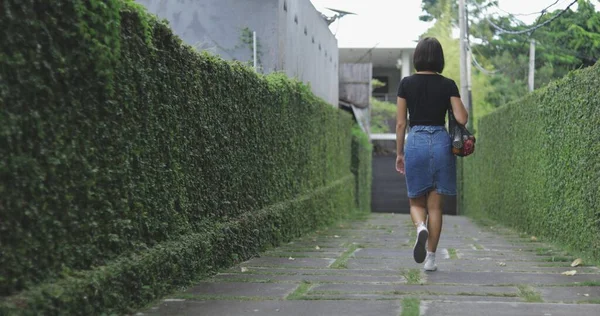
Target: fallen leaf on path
point(570, 273)
point(317, 247)
point(244, 269)
point(291, 258)
point(502, 264)
point(533, 238)
point(577, 262)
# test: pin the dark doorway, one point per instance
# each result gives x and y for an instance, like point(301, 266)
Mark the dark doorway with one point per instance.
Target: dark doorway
point(389, 188)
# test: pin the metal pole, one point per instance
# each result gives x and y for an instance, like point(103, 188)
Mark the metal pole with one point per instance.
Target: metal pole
point(464, 90)
point(531, 64)
point(464, 82)
point(469, 63)
point(254, 50)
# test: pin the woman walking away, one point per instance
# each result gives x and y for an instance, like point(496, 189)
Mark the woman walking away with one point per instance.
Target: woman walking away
point(427, 159)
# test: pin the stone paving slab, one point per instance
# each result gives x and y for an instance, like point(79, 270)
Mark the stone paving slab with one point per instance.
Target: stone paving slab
point(297, 262)
point(277, 308)
point(242, 289)
point(292, 271)
point(417, 289)
point(312, 278)
point(495, 278)
point(495, 267)
point(422, 297)
point(304, 254)
point(506, 309)
point(384, 253)
point(570, 294)
point(366, 268)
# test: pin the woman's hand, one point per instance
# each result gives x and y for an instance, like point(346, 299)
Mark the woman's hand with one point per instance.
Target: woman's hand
point(400, 163)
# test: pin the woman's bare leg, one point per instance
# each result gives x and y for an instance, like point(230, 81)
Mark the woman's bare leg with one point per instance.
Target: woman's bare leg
point(434, 220)
point(418, 211)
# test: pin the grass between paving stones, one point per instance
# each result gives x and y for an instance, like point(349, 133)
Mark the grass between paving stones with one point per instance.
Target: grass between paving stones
point(584, 283)
point(592, 301)
point(300, 291)
point(412, 276)
point(557, 259)
point(342, 261)
point(528, 294)
point(452, 253)
point(411, 307)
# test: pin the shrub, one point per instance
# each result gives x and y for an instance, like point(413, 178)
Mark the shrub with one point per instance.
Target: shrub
point(130, 164)
point(537, 164)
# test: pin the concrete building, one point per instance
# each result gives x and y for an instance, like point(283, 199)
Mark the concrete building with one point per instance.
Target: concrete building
point(390, 65)
point(292, 36)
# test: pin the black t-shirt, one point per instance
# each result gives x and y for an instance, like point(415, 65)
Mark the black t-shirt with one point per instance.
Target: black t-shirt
point(427, 98)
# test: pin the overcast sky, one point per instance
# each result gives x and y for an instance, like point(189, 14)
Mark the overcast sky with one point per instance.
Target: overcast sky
point(395, 23)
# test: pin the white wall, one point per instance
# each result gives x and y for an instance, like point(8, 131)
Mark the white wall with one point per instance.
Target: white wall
point(216, 26)
point(312, 57)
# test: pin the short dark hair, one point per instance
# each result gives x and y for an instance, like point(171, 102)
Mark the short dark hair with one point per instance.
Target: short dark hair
point(429, 55)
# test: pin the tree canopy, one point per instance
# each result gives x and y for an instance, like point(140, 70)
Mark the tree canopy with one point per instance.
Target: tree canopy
point(569, 42)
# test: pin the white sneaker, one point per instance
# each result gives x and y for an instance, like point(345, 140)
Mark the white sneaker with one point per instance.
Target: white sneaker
point(419, 251)
point(430, 262)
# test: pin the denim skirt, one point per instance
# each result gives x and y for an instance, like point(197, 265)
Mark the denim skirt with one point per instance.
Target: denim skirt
point(429, 162)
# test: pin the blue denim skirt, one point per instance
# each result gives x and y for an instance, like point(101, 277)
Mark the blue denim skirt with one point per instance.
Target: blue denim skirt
point(429, 162)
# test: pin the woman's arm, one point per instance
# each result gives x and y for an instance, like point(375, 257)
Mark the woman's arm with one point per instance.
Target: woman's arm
point(458, 108)
point(400, 131)
point(400, 125)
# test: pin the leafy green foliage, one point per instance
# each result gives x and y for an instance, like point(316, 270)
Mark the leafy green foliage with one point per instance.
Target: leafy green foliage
point(536, 165)
point(383, 116)
point(570, 42)
point(130, 163)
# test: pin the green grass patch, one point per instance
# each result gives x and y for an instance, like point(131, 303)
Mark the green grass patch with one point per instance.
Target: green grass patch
point(411, 307)
point(592, 301)
point(412, 276)
point(452, 253)
point(342, 261)
point(300, 291)
point(543, 251)
point(528, 294)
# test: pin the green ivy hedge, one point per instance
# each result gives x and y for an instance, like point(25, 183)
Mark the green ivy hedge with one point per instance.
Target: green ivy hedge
point(130, 163)
point(537, 164)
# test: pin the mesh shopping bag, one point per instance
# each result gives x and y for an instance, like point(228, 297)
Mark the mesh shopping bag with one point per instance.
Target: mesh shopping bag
point(463, 141)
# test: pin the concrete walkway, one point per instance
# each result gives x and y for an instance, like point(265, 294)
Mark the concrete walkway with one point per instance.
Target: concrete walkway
point(366, 268)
